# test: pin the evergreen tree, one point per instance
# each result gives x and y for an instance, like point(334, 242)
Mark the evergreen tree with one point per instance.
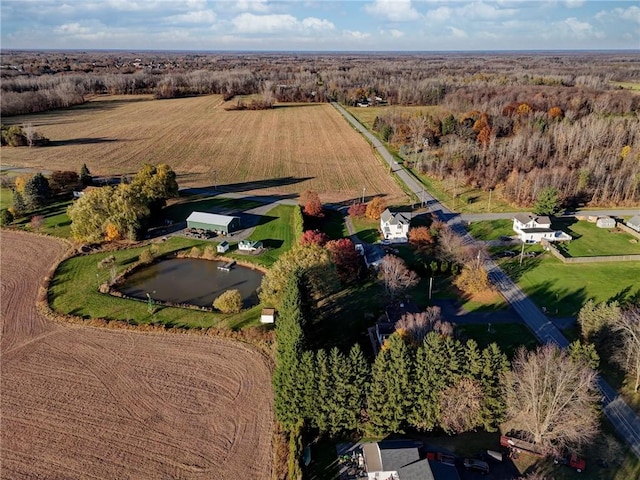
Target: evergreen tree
point(358, 378)
point(548, 202)
point(307, 379)
point(324, 392)
point(389, 400)
point(36, 191)
point(337, 405)
point(85, 175)
point(471, 362)
point(289, 403)
point(494, 366)
point(431, 376)
point(19, 207)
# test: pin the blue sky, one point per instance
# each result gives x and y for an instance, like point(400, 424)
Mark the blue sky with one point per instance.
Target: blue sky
point(355, 25)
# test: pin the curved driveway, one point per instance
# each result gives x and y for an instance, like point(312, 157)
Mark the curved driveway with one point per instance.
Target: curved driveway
point(622, 417)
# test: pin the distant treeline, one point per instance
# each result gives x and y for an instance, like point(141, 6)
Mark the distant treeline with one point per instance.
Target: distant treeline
point(522, 121)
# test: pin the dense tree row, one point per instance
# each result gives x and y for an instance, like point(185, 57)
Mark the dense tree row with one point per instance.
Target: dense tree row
point(122, 211)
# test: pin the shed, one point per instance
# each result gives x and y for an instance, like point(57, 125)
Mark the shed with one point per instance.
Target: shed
point(606, 222)
point(634, 223)
point(268, 315)
point(249, 245)
point(223, 247)
point(213, 222)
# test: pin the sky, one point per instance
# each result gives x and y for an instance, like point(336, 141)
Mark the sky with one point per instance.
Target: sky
point(299, 25)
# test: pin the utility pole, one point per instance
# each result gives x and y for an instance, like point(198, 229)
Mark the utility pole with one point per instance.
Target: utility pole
point(490, 190)
point(430, 287)
point(363, 189)
point(522, 253)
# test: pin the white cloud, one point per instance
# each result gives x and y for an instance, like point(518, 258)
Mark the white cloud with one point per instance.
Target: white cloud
point(250, 5)
point(394, 10)
point(631, 13)
point(574, 3)
point(458, 33)
point(356, 35)
point(276, 23)
point(470, 12)
point(396, 33)
point(440, 14)
point(199, 16)
point(72, 29)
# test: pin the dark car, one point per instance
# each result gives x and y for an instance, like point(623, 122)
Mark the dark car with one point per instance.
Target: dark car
point(477, 465)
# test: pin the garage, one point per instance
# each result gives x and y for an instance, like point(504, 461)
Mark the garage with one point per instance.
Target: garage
point(213, 222)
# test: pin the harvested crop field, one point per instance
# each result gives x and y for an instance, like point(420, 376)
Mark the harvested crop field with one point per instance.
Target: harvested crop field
point(88, 403)
point(285, 150)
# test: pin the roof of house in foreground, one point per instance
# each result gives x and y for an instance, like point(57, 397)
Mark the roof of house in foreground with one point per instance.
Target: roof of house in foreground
point(210, 218)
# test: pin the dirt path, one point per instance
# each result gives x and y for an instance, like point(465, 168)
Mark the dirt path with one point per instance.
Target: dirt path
point(89, 403)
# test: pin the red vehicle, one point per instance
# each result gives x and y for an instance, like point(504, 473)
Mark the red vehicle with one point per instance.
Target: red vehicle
point(573, 461)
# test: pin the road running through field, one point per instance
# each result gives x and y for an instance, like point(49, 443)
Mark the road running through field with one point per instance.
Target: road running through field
point(621, 416)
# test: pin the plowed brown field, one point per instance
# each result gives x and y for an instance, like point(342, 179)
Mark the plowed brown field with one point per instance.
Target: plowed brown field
point(88, 403)
point(285, 150)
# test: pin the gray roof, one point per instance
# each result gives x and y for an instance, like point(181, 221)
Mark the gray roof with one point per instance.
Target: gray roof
point(210, 218)
point(635, 220)
point(442, 471)
point(395, 218)
point(420, 470)
point(402, 456)
point(394, 458)
point(524, 218)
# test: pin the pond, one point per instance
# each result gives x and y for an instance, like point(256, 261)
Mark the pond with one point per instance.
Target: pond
point(192, 281)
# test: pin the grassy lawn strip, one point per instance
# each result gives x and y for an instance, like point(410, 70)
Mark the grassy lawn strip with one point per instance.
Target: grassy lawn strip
point(590, 241)
point(491, 229)
point(508, 336)
point(276, 233)
point(74, 291)
point(366, 229)
point(562, 288)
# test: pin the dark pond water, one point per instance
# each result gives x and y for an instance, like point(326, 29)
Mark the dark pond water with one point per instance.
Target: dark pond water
point(192, 281)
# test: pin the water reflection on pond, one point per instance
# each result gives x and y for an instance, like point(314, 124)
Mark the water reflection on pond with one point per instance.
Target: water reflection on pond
point(192, 281)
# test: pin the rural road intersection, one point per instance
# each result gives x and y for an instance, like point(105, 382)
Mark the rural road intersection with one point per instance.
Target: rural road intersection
point(621, 416)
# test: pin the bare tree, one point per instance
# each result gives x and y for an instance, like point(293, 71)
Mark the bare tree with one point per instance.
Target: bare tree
point(417, 325)
point(451, 245)
point(395, 275)
point(627, 326)
point(461, 406)
point(30, 134)
point(552, 399)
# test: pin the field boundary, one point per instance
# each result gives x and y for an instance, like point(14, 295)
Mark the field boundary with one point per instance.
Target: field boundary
point(597, 259)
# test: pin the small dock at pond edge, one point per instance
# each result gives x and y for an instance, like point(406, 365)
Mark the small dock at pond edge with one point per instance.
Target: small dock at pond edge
point(227, 266)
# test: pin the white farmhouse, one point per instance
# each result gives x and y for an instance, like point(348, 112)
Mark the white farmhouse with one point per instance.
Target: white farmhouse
point(395, 226)
point(532, 229)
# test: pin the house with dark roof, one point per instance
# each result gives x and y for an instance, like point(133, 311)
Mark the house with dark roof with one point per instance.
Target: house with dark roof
point(534, 229)
point(401, 460)
point(395, 226)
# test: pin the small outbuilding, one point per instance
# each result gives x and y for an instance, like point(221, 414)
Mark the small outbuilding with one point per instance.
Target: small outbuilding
point(268, 315)
point(223, 247)
point(634, 223)
point(606, 222)
point(213, 222)
point(249, 245)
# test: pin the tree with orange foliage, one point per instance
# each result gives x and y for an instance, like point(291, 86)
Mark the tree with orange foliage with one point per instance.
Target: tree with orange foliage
point(485, 136)
point(421, 238)
point(313, 208)
point(555, 113)
point(315, 237)
point(524, 109)
point(111, 232)
point(375, 208)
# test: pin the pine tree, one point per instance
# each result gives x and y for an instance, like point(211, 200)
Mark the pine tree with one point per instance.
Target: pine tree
point(19, 207)
point(85, 175)
point(431, 376)
point(389, 399)
point(36, 191)
point(307, 380)
point(494, 366)
point(472, 364)
point(338, 411)
point(358, 379)
point(289, 402)
point(324, 388)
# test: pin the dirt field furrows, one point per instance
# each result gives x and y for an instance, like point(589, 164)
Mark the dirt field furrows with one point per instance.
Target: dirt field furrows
point(288, 149)
point(89, 403)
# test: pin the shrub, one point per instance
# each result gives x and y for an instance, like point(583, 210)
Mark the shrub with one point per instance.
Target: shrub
point(194, 252)
point(209, 252)
point(6, 217)
point(146, 256)
point(375, 208)
point(357, 210)
point(229, 302)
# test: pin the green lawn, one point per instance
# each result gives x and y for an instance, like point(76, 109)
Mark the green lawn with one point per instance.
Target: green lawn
point(74, 290)
point(589, 240)
point(366, 229)
point(508, 336)
point(332, 224)
point(275, 231)
point(491, 229)
point(56, 221)
point(563, 288)
point(6, 198)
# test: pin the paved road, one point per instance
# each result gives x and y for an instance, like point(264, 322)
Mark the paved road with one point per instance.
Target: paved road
point(621, 416)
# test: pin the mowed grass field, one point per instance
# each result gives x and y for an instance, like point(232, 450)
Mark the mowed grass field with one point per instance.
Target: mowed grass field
point(285, 150)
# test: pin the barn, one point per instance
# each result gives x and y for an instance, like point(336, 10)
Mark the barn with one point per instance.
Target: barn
point(213, 222)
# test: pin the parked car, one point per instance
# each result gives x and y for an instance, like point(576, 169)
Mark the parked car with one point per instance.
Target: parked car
point(477, 465)
point(505, 238)
point(573, 461)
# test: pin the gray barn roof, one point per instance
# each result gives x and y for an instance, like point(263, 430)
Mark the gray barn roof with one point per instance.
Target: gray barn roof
point(210, 218)
point(635, 221)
